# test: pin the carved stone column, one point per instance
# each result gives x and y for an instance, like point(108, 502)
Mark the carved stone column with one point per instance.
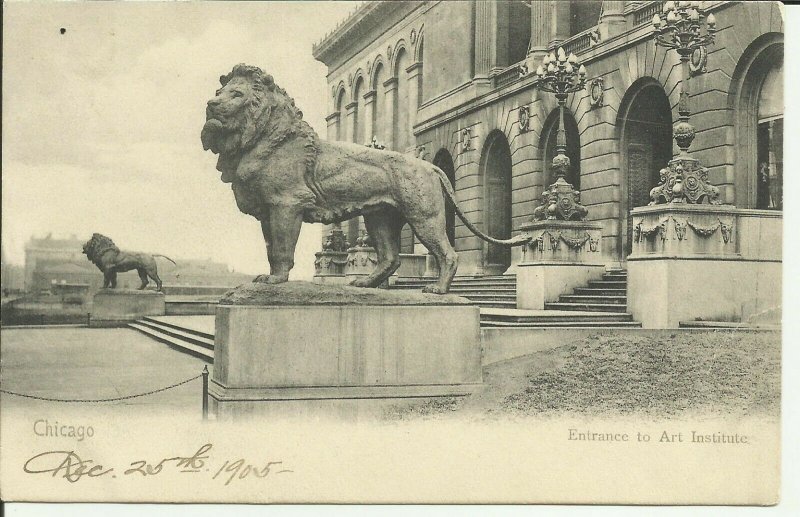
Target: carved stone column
point(541, 19)
point(390, 91)
point(352, 112)
point(559, 25)
point(485, 38)
point(612, 21)
point(369, 111)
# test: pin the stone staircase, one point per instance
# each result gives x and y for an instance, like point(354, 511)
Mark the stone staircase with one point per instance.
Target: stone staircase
point(605, 295)
point(499, 292)
point(602, 304)
point(183, 338)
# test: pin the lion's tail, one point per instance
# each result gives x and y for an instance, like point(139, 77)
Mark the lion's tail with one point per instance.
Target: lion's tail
point(166, 257)
point(519, 240)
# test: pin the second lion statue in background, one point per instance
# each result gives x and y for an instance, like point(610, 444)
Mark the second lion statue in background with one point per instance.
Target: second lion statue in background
point(282, 174)
point(109, 259)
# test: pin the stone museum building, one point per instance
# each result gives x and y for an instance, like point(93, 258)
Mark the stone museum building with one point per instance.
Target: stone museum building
point(452, 83)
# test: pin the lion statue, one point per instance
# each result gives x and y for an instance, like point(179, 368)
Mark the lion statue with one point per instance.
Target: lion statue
point(282, 174)
point(108, 258)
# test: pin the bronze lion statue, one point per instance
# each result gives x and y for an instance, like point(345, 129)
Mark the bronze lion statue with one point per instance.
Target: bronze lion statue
point(282, 174)
point(108, 258)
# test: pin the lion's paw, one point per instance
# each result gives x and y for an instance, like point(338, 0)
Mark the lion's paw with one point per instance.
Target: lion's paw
point(360, 282)
point(434, 289)
point(269, 279)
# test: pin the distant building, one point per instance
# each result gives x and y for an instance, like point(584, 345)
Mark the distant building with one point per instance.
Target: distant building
point(12, 276)
point(50, 251)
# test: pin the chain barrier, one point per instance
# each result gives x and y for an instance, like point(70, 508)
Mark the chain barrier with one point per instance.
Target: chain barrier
point(104, 400)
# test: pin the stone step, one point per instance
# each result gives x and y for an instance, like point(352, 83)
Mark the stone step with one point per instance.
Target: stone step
point(557, 317)
point(597, 291)
point(608, 284)
point(178, 344)
point(615, 277)
point(496, 304)
point(176, 332)
point(470, 289)
point(561, 324)
point(584, 298)
point(591, 307)
point(511, 279)
point(199, 333)
point(491, 297)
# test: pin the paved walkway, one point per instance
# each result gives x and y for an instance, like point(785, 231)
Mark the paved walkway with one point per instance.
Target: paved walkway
point(84, 363)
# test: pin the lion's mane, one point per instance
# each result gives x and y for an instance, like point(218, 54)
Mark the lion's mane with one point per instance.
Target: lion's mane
point(97, 246)
point(269, 122)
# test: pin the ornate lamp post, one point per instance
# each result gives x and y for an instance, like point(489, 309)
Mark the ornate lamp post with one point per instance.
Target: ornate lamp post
point(561, 75)
point(684, 180)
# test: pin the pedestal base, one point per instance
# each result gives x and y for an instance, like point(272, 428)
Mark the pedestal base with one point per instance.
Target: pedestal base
point(117, 307)
point(543, 282)
point(561, 256)
point(704, 262)
point(664, 292)
point(331, 351)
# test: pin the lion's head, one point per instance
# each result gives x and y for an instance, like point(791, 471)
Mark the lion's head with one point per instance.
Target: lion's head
point(98, 245)
point(248, 108)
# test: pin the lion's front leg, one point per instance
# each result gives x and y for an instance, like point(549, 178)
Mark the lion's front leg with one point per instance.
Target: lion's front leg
point(280, 230)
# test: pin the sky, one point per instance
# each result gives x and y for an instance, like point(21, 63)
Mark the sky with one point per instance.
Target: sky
point(101, 124)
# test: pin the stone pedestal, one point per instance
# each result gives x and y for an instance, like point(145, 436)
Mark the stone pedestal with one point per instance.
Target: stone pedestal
point(703, 262)
point(305, 350)
point(117, 307)
point(330, 267)
point(361, 261)
point(561, 256)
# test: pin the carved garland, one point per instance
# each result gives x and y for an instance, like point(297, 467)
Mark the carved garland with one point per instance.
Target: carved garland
point(574, 243)
point(639, 232)
point(706, 231)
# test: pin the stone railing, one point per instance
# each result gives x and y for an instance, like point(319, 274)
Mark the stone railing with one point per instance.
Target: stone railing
point(577, 43)
point(645, 13)
point(507, 76)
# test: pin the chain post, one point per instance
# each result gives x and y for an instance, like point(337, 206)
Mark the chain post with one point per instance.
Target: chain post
point(205, 392)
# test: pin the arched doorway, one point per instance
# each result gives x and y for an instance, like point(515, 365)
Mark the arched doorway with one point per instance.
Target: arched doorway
point(444, 161)
point(549, 134)
point(496, 174)
point(646, 147)
point(756, 99)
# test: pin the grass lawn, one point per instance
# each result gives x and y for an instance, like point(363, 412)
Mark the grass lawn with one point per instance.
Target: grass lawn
point(726, 373)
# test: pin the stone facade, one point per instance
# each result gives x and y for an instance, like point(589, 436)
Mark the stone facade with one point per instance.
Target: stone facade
point(442, 80)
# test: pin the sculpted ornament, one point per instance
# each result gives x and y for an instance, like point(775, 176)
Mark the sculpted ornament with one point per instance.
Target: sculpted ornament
point(524, 117)
point(108, 258)
point(282, 174)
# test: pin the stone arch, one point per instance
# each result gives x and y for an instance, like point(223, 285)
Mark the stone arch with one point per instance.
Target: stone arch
point(496, 175)
point(401, 132)
point(377, 65)
point(359, 76)
point(644, 133)
point(753, 69)
point(339, 107)
point(398, 47)
point(418, 47)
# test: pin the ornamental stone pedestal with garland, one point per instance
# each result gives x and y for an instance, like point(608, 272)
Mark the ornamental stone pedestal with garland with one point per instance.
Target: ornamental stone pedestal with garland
point(561, 255)
point(701, 262)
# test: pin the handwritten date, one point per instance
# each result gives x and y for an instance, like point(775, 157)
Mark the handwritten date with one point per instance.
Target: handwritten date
point(70, 466)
